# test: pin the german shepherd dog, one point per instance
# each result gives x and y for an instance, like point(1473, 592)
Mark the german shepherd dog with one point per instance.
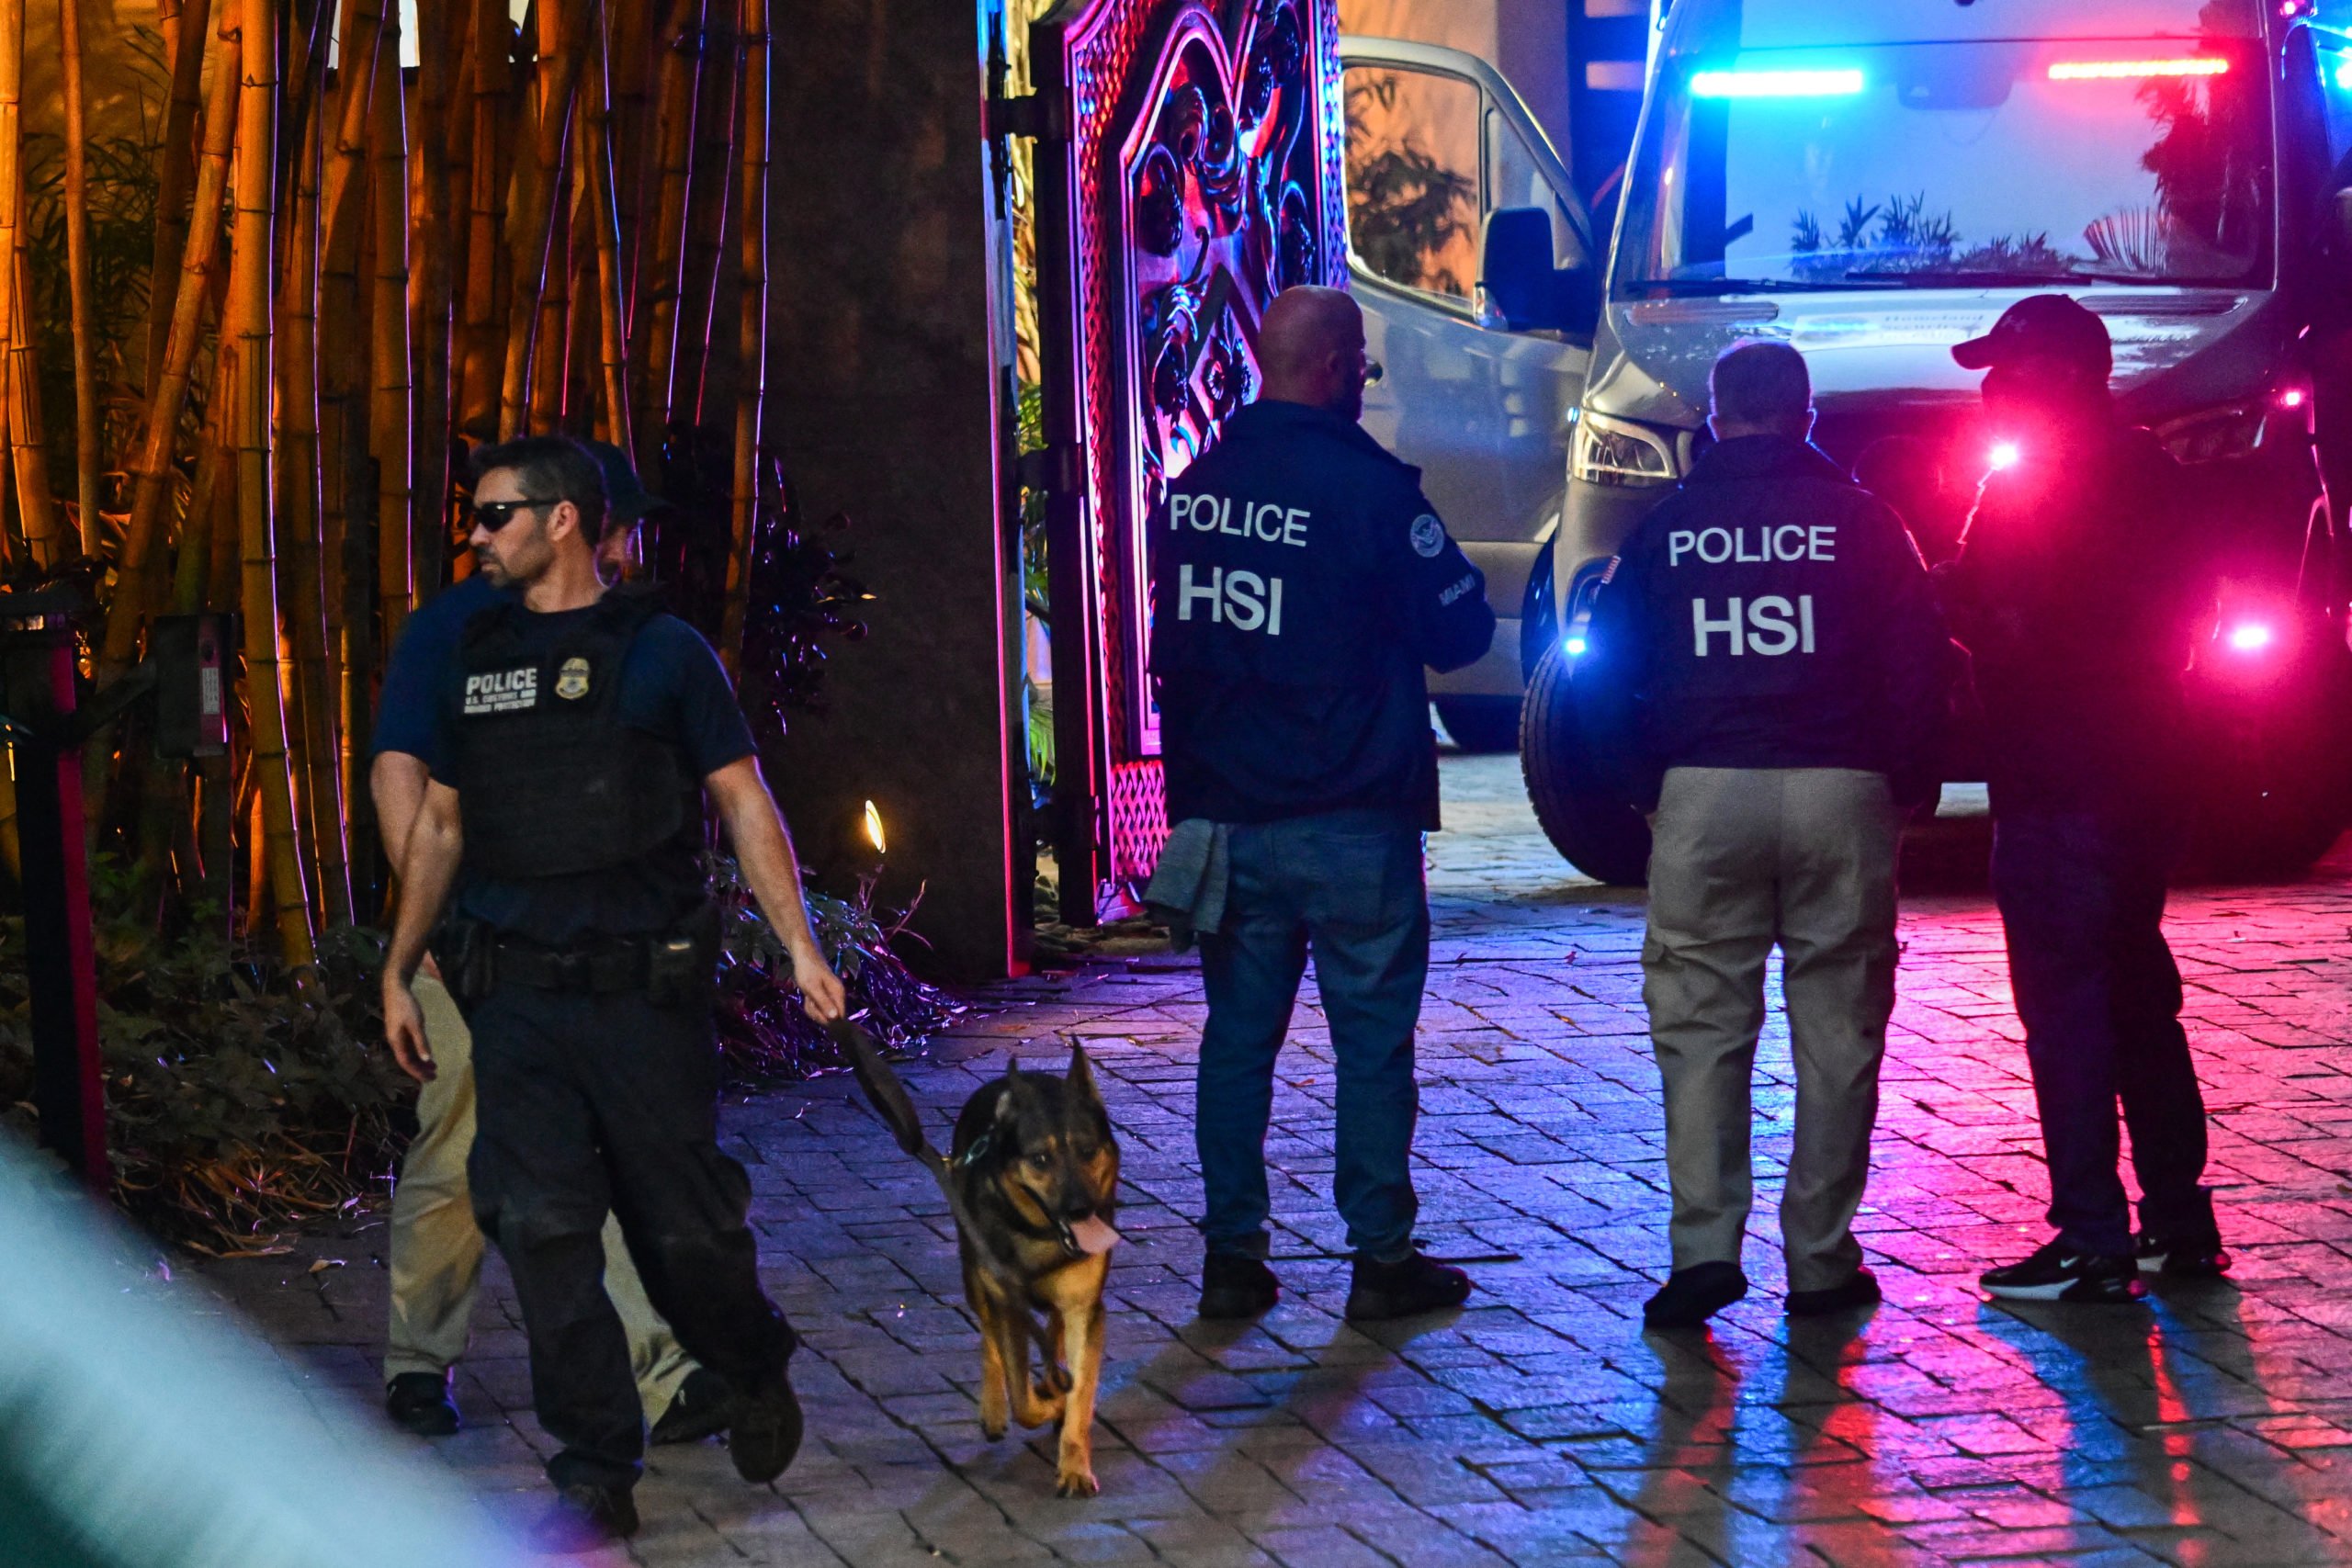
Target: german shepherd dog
point(1032, 1178)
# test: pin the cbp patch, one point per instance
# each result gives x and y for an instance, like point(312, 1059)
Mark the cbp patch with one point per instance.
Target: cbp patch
point(571, 680)
point(1429, 535)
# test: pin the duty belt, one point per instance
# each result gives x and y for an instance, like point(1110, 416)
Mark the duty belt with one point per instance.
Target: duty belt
point(612, 966)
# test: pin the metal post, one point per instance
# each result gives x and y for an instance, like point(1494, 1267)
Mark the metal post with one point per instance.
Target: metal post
point(61, 958)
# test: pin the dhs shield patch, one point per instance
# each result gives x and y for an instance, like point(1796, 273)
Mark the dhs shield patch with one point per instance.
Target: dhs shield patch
point(571, 680)
point(1429, 535)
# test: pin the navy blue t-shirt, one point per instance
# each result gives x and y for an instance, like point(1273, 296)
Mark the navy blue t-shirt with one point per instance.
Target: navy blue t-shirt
point(409, 706)
point(672, 687)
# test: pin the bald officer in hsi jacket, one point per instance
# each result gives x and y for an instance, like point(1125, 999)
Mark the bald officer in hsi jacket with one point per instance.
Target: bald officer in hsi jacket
point(1302, 585)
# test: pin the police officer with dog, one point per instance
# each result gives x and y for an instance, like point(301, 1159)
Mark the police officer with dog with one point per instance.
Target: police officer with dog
point(1765, 675)
point(1302, 584)
point(579, 733)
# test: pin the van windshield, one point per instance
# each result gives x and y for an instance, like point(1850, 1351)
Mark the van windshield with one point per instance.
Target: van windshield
point(1917, 164)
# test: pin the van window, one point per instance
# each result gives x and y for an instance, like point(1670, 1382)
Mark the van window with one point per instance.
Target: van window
point(1515, 179)
point(1413, 177)
point(1957, 162)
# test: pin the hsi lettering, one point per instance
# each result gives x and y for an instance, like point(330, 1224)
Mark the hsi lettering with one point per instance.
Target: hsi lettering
point(1242, 600)
point(1760, 626)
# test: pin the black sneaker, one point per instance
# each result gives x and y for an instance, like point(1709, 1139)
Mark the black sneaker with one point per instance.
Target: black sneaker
point(2199, 1257)
point(1235, 1285)
point(420, 1403)
point(1406, 1287)
point(702, 1405)
point(1860, 1290)
point(2058, 1272)
point(584, 1517)
point(765, 1431)
point(1692, 1295)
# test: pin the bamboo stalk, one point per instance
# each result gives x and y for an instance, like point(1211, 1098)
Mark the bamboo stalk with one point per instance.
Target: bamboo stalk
point(624, 34)
point(77, 269)
point(347, 151)
point(388, 426)
point(175, 175)
point(612, 294)
point(711, 206)
point(530, 216)
point(443, 66)
point(189, 575)
point(167, 23)
point(481, 341)
point(752, 332)
point(152, 470)
point(550, 339)
point(249, 320)
point(316, 747)
point(33, 500)
point(223, 577)
point(653, 322)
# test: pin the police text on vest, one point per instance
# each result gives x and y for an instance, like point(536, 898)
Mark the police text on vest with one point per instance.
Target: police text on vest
point(1242, 600)
point(1765, 628)
point(1266, 520)
point(1789, 542)
point(504, 691)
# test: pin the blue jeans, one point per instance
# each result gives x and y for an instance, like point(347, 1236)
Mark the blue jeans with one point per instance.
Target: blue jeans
point(2082, 899)
point(1347, 887)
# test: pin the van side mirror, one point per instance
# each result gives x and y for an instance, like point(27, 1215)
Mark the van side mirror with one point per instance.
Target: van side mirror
point(1521, 285)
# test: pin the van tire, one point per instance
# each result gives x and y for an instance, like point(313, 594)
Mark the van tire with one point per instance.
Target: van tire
point(1596, 833)
point(1480, 724)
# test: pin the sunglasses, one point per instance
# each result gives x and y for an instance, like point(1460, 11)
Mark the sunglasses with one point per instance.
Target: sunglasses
point(495, 515)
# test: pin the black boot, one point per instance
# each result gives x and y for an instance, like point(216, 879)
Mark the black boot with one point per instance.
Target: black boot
point(584, 1517)
point(420, 1403)
point(1235, 1285)
point(765, 1432)
point(1406, 1287)
point(701, 1408)
point(1692, 1295)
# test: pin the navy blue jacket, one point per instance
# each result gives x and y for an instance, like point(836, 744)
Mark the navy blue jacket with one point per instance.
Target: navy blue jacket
point(1302, 582)
point(1769, 614)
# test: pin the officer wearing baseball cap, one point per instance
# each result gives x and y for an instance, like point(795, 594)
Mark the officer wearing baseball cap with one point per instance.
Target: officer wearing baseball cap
point(2078, 592)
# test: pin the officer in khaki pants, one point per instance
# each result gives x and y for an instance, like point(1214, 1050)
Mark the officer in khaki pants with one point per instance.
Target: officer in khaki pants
point(1766, 676)
point(436, 1249)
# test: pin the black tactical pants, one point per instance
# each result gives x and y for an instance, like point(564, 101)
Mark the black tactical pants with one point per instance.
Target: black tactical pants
point(590, 1103)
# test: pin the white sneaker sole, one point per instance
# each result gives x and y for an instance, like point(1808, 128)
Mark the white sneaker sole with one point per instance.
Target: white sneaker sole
point(2055, 1291)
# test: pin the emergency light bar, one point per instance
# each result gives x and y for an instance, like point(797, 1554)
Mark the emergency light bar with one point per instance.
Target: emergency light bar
point(2124, 70)
point(1833, 83)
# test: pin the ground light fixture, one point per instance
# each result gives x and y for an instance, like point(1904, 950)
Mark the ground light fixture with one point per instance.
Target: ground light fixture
point(1839, 82)
point(873, 834)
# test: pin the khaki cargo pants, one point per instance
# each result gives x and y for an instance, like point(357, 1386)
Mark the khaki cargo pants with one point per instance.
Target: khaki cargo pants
point(436, 1247)
point(1743, 859)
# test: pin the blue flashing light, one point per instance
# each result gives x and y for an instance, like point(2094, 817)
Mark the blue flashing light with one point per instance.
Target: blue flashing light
point(1576, 646)
point(2344, 75)
point(1841, 81)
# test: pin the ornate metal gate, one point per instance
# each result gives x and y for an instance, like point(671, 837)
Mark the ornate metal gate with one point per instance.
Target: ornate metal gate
point(1189, 166)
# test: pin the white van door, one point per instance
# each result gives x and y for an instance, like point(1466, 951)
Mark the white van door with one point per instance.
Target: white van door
point(1437, 143)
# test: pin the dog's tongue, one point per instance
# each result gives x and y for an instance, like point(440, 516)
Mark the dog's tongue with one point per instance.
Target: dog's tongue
point(1093, 1237)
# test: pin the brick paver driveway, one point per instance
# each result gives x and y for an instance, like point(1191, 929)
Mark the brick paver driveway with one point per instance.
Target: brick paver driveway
point(1541, 1425)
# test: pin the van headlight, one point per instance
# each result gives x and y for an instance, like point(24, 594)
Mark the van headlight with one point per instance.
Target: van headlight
point(1619, 453)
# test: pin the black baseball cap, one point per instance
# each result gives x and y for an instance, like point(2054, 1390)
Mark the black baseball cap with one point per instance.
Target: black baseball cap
point(626, 500)
point(2050, 324)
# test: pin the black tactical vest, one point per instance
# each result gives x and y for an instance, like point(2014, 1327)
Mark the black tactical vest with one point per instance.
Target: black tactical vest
point(554, 783)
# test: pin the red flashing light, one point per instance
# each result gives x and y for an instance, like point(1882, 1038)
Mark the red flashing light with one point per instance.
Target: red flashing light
point(2004, 454)
point(2251, 637)
point(2127, 70)
point(2293, 398)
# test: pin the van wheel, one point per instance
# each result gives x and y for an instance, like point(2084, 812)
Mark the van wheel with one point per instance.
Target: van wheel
point(1480, 724)
point(1599, 834)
